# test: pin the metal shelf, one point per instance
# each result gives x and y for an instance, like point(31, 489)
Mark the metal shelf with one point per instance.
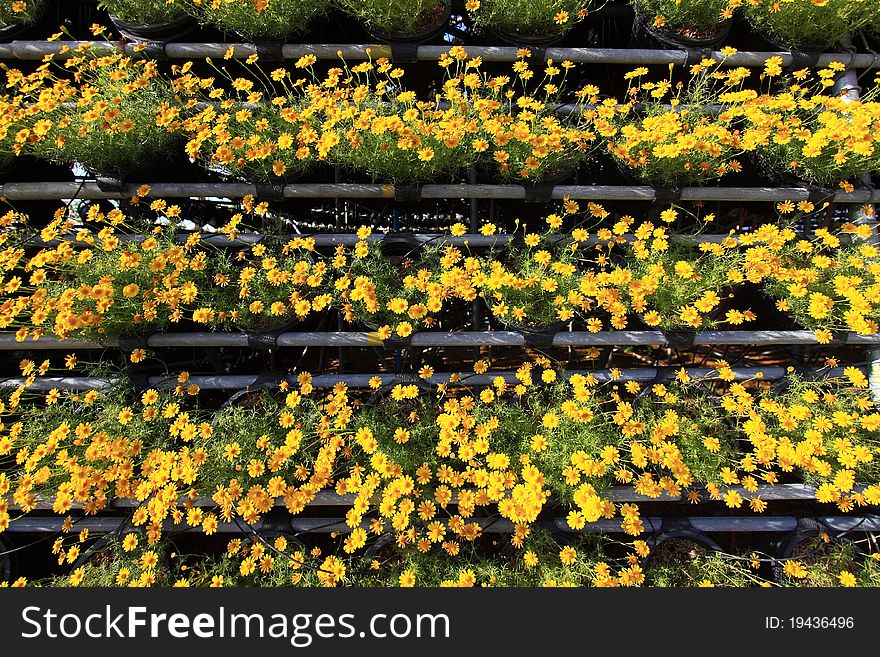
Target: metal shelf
point(37, 50)
point(24, 191)
point(421, 339)
point(240, 382)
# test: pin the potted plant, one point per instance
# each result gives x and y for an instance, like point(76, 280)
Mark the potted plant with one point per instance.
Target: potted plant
point(117, 118)
point(16, 15)
point(393, 136)
point(567, 431)
point(822, 429)
point(12, 120)
point(148, 20)
point(526, 23)
point(263, 20)
point(281, 282)
point(400, 292)
point(126, 560)
point(808, 25)
point(273, 438)
point(680, 436)
point(261, 561)
point(262, 133)
point(804, 132)
point(523, 136)
point(674, 282)
point(668, 134)
point(683, 561)
point(89, 448)
point(400, 21)
point(533, 286)
point(824, 282)
point(683, 23)
point(816, 559)
point(540, 559)
point(159, 281)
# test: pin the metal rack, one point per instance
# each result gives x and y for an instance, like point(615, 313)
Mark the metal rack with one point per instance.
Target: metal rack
point(37, 50)
point(22, 191)
point(241, 381)
point(866, 194)
point(8, 342)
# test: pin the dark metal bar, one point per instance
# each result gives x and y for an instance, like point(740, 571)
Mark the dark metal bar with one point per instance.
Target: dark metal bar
point(24, 191)
point(36, 50)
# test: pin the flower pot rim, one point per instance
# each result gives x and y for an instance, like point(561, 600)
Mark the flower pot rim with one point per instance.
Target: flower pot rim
point(669, 36)
point(161, 32)
point(422, 34)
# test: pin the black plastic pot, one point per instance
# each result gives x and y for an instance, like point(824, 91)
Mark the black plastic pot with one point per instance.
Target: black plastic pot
point(519, 39)
point(427, 33)
point(7, 163)
point(787, 46)
point(807, 530)
point(156, 32)
point(95, 550)
point(686, 534)
point(489, 177)
point(644, 33)
point(6, 569)
point(283, 324)
point(534, 329)
point(12, 30)
point(246, 397)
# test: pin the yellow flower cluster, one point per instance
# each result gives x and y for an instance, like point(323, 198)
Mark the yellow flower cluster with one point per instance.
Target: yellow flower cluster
point(99, 283)
point(421, 469)
point(19, 12)
point(810, 24)
point(271, 126)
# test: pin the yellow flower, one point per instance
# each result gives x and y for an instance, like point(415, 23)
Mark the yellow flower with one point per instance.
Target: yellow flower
point(568, 555)
point(846, 578)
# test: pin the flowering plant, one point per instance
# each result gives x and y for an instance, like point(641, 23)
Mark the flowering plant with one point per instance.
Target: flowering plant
point(110, 287)
point(385, 131)
point(266, 20)
point(124, 560)
point(94, 447)
point(809, 23)
point(821, 137)
point(679, 562)
point(824, 429)
point(269, 443)
point(12, 120)
point(369, 286)
point(679, 437)
point(257, 561)
point(675, 282)
point(522, 133)
point(264, 132)
point(824, 561)
point(576, 445)
point(687, 17)
point(19, 11)
point(395, 16)
point(667, 134)
point(118, 111)
point(534, 284)
point(143, 12)
point(827, 283)
point(524, 18)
